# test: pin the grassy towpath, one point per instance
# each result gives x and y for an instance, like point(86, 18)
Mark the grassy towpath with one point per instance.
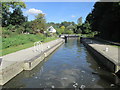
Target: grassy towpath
point(16, 43)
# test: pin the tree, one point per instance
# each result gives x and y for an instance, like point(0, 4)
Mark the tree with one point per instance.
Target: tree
point(60, 31)
point(39, 24)
point(55, 25)
point(62, 27)
point(87, 28)
point(70, 27)
point(79, 26)
point(105, 18)
point(6, 10)
point(17, 17)
point(78, 30)
point(68, 31)
point(65, 23)
point(79, 21)
point(27, 27)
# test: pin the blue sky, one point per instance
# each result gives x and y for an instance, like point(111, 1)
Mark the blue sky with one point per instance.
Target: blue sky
point(59, 11)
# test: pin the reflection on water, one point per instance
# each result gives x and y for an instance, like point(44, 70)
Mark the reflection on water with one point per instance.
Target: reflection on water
point(69, 66)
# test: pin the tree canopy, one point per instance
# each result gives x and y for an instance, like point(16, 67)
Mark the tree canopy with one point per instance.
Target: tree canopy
point(79, 21)
point(17, 17)
point(6, 10)
point(39, 24)
point(105, 18)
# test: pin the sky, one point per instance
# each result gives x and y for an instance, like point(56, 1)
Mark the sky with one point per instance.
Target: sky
point(58, 11)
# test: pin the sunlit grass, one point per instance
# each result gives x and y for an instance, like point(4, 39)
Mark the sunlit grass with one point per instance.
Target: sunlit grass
point(24, 46)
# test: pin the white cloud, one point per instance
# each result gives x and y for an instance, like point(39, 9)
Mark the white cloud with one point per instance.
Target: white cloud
point(34, 11)
point(73, 16)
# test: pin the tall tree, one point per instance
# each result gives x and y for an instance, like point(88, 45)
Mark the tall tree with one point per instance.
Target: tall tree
point(79, 21)
point(17, 17)
point(65, 23)
point(6, 10)
point(105, 18)
point(39, 24)
point(79, 26)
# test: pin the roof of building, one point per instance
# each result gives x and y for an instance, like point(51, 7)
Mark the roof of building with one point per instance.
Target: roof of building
point(51, 29)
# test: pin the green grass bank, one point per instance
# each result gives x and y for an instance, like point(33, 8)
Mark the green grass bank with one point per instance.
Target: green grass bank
point(22, 41)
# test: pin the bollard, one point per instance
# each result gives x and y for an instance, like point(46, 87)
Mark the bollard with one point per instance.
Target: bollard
point(106, 49)
point(65, 39)
point(81, 39)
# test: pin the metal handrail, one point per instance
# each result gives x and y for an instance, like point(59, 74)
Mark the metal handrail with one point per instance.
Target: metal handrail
point(38, 46)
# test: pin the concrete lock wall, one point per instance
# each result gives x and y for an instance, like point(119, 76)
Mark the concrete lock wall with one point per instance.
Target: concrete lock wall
point(11, 71)
point(29, 65)
point(101, 58)
point(13, 68)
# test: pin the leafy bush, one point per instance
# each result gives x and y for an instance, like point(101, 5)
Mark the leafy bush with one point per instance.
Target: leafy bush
point(5, 32)
point(60, 31)
point(68, 32)
point(20, 30)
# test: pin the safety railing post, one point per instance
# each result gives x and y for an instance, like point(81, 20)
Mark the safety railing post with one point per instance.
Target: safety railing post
point(38, 46)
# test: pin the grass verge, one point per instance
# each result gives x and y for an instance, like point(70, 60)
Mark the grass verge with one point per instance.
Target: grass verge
point(24, 46)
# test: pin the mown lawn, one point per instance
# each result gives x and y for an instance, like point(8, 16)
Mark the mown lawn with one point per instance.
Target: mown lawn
point(16, 43)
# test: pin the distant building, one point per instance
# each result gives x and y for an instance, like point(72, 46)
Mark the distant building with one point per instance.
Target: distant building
point(51, 29)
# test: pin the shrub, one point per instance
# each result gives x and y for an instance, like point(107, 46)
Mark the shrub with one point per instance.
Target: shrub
point(68, 32)
point(60, 31)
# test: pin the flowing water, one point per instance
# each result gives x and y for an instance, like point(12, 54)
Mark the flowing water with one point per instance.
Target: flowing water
point(70, 66)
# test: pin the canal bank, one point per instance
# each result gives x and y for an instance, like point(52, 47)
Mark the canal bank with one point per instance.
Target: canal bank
point(14, 63)
point(70, 66)
point(106, 54)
